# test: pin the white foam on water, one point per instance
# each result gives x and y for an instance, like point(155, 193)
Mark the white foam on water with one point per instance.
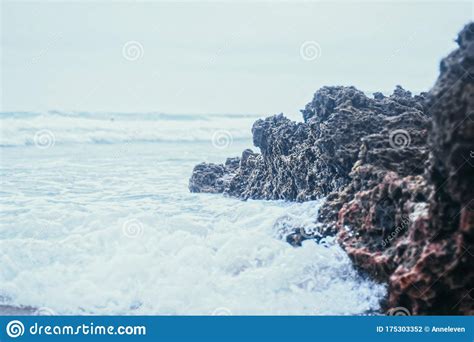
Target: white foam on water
point(108, 229)
point(110, 128)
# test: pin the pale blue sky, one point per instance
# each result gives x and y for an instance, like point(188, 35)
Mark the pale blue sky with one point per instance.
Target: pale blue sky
point(216, 57)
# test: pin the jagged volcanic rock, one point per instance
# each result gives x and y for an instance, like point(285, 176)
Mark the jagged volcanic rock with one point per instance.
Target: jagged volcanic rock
point(213, 178)
point(441, 279)
point(401, 207)
point(417, 232)
point(307, 160)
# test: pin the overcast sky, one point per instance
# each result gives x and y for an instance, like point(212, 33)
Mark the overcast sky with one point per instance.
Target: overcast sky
point(215, 57)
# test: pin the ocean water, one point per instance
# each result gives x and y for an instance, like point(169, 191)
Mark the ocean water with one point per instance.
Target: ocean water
point(96, 218)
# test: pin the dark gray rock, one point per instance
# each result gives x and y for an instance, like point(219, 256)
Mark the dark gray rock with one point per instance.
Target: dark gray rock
point(302, 161)
point(213, 178)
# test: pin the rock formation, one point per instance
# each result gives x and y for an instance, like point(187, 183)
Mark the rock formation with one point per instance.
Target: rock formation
point(397, 174)
point(415, 232)
point(307, 160)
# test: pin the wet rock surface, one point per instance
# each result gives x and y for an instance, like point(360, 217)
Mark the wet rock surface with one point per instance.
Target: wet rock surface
point(213, 178)
point(303, 161)
point(416, 232)
point(397, 172)
point(441, 279)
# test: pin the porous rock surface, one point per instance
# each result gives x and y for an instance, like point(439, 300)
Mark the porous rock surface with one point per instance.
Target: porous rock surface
point(417, 232)
point(397, 173)
point(303, 161)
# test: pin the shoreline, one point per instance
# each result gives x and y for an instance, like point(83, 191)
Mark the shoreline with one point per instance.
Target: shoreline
point(10, 310)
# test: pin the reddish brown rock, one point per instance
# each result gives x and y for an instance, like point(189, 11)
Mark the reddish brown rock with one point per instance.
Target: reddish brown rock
point(417, 233)
point(441, 279)
point(375, 226)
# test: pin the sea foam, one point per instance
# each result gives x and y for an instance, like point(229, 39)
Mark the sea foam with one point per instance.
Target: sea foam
point(112, 229)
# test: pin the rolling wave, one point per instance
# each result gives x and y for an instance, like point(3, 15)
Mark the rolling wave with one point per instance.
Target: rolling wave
point(23, 128)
